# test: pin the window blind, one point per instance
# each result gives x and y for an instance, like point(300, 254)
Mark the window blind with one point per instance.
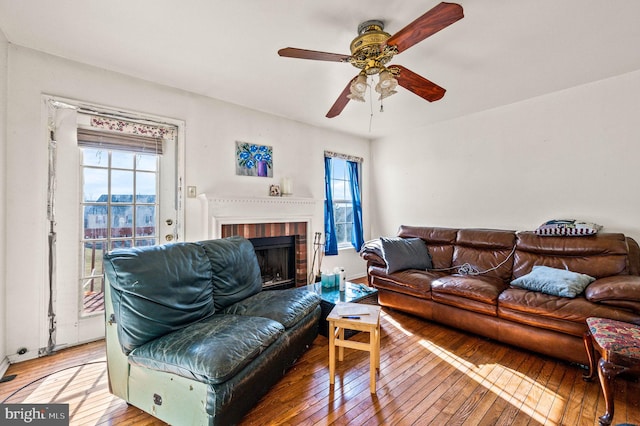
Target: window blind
point(119, 141)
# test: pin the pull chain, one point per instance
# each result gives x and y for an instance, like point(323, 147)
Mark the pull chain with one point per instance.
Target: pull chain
point(370, 107)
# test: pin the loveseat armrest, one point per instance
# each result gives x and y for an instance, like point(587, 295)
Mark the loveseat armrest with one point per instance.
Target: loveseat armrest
point(619, 290)
point(117, 363)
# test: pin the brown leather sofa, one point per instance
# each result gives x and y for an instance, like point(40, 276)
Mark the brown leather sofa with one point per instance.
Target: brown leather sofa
point(488, 305)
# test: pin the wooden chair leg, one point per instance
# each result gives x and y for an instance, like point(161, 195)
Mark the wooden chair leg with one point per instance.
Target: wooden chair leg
point(613, 341)
point(607, 374)
point(588, 344)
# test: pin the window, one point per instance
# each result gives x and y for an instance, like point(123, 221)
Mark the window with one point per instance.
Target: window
point(343, 210)
point(342, 205)
point(119, 204)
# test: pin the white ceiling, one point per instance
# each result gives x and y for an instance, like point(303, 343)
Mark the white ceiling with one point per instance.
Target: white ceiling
point(501, 52)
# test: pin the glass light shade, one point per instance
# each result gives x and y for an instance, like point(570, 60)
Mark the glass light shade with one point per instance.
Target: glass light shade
point(387, 83)
point(356, 97)
point(359, 84)
point(385, 93)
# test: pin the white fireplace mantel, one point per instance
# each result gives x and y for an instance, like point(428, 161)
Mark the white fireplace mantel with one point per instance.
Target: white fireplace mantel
point(218, 211)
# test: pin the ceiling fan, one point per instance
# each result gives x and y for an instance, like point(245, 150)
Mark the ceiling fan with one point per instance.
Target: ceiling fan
point(372, 50)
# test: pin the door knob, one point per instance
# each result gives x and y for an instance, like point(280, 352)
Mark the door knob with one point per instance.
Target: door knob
point(169, 222)
point(168, 237)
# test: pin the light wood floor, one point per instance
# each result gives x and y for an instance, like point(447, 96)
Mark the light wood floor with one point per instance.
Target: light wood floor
point(429, 374)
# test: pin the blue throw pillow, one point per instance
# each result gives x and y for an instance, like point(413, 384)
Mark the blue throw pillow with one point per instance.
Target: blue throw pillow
point(405, 253)
point(558, 282)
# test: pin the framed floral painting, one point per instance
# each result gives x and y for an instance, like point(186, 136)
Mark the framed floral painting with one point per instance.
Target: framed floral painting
point(254, 160)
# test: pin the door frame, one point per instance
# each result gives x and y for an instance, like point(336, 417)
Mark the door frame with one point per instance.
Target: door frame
point(52, 101)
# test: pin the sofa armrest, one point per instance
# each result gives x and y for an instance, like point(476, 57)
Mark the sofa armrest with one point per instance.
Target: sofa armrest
point(619, 290)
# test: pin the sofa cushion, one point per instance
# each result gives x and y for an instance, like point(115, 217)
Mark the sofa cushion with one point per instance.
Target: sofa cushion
point(555, 313)
point(235, 270)
point(474, 293)
point(405, 253)
point(475, 287)
point(558, 282)
point(600, 255)
point(287, 307)
point(439, 241)
point(412, 282)
point(210, 351)
point(486, 250)
point(157, 290)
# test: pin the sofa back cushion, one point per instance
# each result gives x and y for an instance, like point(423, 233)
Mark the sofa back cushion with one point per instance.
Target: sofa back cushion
point(486, 249)
point(235, 273)
point(405, 253)
point(439, 241)
point(601, 255)
point(158, 289)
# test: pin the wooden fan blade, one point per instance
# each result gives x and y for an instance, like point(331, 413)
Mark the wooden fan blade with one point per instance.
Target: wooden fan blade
point(292, 52)
point(418, 84)
point(341, 102)
point(428, 24)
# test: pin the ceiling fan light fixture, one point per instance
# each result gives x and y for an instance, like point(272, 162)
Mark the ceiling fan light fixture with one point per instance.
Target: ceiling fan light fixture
point(356, 97)
point(374, 48)
point(357, 88)
point(387, 82)
point(385, 93)
point(359, 84)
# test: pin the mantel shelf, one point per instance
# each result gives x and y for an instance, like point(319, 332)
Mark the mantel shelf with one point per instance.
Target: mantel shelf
point(260, 200)
point(277, 207)
point(220, 210)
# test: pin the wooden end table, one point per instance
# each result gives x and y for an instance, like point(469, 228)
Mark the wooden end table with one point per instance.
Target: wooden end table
point(365, 318)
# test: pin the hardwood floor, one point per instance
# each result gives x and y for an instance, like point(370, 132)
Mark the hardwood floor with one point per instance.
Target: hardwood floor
point(429, 374)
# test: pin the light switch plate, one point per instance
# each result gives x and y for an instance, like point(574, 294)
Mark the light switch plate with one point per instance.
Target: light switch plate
point(191, 191)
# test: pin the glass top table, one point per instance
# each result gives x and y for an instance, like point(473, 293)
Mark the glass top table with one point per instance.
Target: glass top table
point(353, 293)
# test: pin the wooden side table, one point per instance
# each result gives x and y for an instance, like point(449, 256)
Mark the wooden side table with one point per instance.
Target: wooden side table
point(618, 344)
point(368, 321)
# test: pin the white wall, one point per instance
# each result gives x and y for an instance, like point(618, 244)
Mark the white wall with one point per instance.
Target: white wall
point(3, 168)
point(212, 127)
point(571, 154)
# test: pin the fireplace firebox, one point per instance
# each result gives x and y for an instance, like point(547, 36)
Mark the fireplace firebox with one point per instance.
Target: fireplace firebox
point(276, 258)
point(296, 230)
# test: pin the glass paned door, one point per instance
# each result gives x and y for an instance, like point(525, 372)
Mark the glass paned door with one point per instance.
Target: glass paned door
point(119, 205)
point(104, 199)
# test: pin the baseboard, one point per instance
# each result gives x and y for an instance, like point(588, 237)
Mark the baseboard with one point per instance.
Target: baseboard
point(357, 277)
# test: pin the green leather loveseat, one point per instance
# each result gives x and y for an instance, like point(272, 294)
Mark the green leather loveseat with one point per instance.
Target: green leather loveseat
point(191, 336)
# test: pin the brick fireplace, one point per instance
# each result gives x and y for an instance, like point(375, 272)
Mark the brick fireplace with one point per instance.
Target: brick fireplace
point(259, 217)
